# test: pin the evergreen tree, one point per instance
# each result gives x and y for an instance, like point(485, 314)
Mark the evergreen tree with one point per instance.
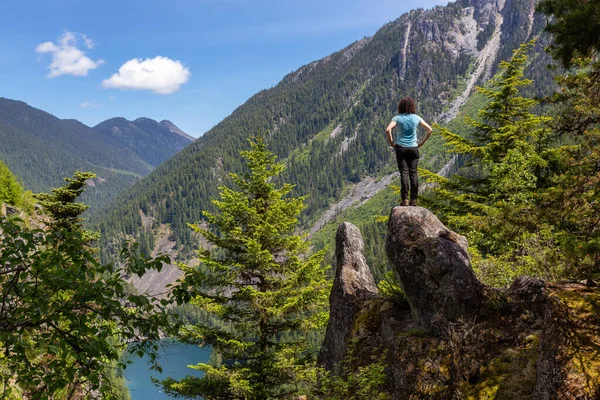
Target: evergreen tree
point(60, 205)
point(575, 27)
point(10, 190)
point(573, 204)
point(494, 198)
point(259, 285)
point(65, 318)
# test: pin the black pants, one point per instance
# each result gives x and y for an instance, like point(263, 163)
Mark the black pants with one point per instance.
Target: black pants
point(408, 162)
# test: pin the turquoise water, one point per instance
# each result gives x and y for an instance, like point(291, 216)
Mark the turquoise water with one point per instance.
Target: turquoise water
point(174, 359)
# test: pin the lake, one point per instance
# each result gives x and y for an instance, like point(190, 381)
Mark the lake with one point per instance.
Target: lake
point(174, 359)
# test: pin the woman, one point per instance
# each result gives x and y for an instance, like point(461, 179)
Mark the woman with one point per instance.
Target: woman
point(407, 147)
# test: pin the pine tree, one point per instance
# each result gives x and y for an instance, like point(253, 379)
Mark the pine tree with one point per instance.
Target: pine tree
point(493, 198)
point(261, 287)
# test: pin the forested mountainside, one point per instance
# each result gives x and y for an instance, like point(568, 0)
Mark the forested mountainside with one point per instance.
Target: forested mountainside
point(42, 150)
point(327, 119)
point(154, 142)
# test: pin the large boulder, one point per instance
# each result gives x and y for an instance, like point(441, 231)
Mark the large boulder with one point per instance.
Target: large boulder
point(533, 340)
point(352, 287)
point(433, 267)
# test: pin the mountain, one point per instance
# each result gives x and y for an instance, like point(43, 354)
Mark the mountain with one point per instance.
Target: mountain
point(326, 120)
point(171, 127)
point(42, 150)
point(152, 141)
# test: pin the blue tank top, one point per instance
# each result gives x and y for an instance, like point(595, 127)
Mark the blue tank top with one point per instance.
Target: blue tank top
point(406, 129)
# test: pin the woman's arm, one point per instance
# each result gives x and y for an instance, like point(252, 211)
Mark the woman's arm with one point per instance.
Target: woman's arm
point(428, 129)
point(388, 133)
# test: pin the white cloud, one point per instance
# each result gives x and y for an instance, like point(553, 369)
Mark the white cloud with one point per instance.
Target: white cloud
point(67, 58)
point(111, 97)
point(88, 42)
point(87, 104)
point(160, 75)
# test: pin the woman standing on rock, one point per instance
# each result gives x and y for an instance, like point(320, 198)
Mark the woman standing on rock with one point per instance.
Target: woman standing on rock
point(407, 147)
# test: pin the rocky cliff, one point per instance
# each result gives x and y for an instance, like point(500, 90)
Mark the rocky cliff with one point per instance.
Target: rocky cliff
point(451, 337)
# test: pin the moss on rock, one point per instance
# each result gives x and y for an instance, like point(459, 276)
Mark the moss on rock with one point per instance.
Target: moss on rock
point(582, 371)
point(510, 375)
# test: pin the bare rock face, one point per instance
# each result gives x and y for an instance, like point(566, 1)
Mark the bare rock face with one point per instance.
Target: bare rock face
point(530, 293)
point(353, 285)
point(553, 353)
point(9, 210)
point(433, 267)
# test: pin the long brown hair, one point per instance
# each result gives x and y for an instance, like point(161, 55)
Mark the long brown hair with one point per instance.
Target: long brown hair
point(407, 106)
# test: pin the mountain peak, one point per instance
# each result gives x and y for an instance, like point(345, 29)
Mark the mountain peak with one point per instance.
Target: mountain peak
point(153, 142)
point(173, 128)
point(147, 120)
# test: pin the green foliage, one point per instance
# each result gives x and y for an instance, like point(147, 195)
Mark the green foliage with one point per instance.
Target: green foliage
point(260, 287)
point(573, 204)
point(527, 195)
point(60, 205)
point(494, 198)
point(389, 287)
point(359, 379)
point(575, 27)
point(364, 383)
point(64, 316)
point(11, 191)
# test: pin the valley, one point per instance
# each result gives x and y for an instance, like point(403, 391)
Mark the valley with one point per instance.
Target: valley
point(272, 257)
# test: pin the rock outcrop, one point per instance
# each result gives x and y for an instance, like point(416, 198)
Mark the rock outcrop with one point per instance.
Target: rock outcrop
point(456, 338)
point(353, 286)
point(432, 266)
point(530, 293)
point(6, 210)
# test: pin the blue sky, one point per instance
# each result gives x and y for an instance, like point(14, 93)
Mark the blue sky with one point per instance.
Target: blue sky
point(190, 61)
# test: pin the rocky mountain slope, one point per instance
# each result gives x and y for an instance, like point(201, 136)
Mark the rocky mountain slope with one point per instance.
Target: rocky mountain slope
point(449, 336)
point(326, 120)
point(173, 128)
point(42, 150)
